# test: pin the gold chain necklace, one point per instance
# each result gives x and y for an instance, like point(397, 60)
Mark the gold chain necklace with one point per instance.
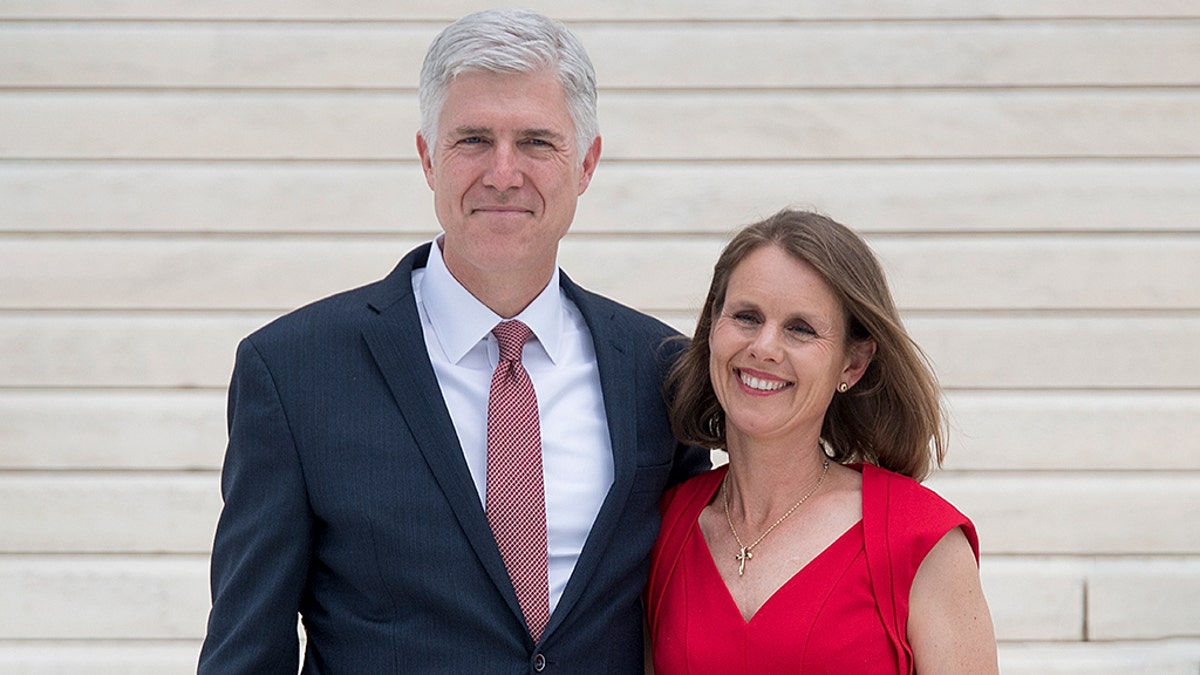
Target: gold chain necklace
point(745, 553)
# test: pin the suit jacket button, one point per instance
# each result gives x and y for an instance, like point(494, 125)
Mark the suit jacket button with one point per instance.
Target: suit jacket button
point(539, 663)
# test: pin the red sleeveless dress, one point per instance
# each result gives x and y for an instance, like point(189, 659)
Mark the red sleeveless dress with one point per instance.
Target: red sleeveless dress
point(845, 612)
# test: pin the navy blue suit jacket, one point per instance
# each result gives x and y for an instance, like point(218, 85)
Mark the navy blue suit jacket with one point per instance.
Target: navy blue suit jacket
point(348, 500)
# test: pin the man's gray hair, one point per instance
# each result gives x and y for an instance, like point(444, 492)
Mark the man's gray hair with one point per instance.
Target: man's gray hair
point(509, 41)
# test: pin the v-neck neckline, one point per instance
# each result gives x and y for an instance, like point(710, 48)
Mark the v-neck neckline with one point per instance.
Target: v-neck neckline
point(844, 539)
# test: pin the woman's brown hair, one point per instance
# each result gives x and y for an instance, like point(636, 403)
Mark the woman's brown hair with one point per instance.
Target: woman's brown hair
point(892, 418)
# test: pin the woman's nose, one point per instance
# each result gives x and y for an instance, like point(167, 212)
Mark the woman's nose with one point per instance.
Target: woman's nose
point(765, 344)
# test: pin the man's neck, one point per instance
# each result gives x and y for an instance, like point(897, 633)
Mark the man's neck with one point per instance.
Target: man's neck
point(505, 294)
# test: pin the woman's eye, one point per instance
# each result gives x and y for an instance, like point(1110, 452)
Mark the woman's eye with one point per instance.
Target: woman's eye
point(745, 318)
point(802, 329)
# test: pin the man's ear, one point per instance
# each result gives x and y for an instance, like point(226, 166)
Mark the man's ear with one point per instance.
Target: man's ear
point(426, 154)
point(590, 159)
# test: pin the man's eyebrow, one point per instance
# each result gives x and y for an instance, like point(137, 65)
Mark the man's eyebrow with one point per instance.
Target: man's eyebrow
point(535, 132)
point(543, 133)
point(471, 131)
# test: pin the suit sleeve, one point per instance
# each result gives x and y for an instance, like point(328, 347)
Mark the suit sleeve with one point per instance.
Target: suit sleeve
point(689, 460)
point(261, 551)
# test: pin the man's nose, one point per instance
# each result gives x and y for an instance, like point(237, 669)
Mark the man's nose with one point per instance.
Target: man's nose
point(505, 170)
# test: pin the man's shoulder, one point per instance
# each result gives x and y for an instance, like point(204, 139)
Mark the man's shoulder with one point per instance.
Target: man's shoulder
point(344, 311)
point(597, 307)
point(339, 309)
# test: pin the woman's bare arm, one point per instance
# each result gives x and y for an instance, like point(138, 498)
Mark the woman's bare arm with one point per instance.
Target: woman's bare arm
point(949, 625)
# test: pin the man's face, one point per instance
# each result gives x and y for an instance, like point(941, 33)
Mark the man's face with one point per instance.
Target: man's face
point(505, 174)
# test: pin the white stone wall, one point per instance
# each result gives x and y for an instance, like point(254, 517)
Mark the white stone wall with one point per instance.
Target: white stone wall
point(173, 173)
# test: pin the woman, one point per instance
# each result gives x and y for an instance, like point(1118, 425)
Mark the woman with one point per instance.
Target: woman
point(815, 550)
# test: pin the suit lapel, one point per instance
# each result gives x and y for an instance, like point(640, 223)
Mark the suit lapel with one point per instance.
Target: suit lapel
point(396, 342)
point(618, 384)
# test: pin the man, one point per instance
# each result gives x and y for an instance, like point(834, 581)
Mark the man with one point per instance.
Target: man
point(390, 477)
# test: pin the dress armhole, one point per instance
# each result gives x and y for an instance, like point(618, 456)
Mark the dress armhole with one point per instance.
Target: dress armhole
point(902, 522)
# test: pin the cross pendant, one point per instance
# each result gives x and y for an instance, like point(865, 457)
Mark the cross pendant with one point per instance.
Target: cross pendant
point(742, 558)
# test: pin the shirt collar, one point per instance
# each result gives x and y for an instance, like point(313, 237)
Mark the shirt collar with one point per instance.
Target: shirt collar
point(460, 320)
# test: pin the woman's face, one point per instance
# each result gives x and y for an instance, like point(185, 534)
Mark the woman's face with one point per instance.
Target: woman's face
point(778, 348)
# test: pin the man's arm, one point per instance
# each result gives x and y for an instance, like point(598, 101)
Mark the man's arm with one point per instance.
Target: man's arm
point(264, 537)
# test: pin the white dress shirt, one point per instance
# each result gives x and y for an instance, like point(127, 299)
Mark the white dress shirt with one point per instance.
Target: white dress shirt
point(577, 461)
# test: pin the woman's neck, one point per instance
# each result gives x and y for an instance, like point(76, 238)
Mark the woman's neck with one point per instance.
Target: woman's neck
point(766, 479)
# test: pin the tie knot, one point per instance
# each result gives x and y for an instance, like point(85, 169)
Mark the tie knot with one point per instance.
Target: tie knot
point(511, 336)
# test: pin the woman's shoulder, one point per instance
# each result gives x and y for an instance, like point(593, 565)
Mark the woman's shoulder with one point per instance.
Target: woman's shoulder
point(700, 487)
point(681, 506)
point(912, 516)
point(902, 491)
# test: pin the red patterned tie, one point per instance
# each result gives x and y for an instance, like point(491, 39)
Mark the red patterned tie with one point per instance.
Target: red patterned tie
point(516, 502)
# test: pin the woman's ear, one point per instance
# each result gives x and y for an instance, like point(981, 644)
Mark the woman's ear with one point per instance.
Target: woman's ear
point(861, 352)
